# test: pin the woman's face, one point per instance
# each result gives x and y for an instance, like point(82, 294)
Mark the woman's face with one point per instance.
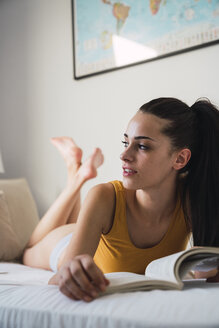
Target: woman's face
point(148, 158)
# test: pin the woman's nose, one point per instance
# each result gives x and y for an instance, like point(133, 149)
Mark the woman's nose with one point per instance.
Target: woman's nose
point(126, 155)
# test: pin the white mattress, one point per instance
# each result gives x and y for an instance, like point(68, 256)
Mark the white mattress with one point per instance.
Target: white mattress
point(27, 301)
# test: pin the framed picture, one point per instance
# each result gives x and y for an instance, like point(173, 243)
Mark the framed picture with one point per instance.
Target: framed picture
point(109, 35)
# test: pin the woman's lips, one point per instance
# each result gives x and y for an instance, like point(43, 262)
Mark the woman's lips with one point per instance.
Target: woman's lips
point(128, 172)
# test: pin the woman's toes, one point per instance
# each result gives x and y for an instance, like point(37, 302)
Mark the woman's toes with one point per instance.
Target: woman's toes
point(88, 169)
point(71, 153)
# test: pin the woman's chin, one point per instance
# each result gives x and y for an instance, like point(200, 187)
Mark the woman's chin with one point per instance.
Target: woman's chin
point(128, 184)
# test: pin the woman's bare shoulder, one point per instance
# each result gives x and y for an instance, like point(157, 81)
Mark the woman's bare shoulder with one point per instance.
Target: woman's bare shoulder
point(104, 192)
point(103, 198)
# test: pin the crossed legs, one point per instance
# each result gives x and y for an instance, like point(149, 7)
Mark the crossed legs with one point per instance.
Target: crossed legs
point(61, 217)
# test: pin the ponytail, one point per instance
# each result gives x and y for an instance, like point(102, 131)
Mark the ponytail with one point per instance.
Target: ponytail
point(202, 182)
point(196, 128)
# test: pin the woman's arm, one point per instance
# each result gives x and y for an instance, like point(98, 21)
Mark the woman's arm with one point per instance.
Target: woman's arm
point(79, 277)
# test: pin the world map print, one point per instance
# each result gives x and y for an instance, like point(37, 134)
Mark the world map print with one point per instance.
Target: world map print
point(110, 34)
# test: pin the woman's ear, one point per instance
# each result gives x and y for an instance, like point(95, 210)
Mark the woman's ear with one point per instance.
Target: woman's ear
point(182, 158)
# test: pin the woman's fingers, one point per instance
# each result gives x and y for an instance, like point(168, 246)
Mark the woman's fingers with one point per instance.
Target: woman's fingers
point(81, 279)
point(95, 275)
point(69, 287)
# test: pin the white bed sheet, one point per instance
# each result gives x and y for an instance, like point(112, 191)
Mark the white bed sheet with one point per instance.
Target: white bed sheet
point(26, 301)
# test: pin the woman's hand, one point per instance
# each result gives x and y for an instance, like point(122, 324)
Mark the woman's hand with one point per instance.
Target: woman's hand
point(211, 276)
point(80, 279)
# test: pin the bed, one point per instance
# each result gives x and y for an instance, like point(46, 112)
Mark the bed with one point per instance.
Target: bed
point(27, 301)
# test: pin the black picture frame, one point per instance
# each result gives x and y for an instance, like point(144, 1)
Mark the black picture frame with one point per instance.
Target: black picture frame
point(193, 39)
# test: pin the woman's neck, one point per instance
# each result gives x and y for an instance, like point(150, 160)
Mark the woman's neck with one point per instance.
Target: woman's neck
point(155, 204)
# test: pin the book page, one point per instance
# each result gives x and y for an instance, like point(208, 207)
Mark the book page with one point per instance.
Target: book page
point(207, 264)
point(164, 268)
point(124, 278)
point(128, 282)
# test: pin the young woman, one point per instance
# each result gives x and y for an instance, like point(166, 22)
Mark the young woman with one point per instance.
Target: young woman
point(170, 188)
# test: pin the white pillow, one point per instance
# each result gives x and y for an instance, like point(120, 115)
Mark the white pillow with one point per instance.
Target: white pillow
point(20, 210)
point(9, 243)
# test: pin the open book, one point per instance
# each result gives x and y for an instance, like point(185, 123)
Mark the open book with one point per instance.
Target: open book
point(165, 273)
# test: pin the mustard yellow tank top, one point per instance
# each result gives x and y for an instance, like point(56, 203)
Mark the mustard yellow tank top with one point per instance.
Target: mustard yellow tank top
point(116, 252)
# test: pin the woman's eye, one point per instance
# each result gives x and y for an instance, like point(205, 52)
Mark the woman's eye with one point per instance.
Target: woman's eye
point(125, 143)
point(143, 147)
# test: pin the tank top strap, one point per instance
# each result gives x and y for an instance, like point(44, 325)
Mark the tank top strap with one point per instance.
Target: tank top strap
point(119, 226)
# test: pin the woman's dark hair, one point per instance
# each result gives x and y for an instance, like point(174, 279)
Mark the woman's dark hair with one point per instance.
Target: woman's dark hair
point(196, 128)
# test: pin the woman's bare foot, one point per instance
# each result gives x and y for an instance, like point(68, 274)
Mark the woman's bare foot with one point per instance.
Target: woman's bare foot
point(88, 169)
point(71, 153)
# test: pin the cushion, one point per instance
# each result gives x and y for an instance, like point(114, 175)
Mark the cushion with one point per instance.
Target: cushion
point(9, 243)
point(21, 215)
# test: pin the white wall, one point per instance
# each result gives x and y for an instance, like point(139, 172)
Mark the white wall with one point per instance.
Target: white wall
point(39, 97)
